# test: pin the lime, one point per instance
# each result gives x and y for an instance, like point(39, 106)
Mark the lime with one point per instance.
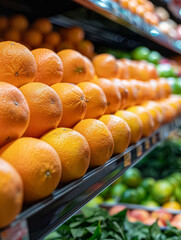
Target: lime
point(147, 184)
point(149, 203)
point(110, 201)
point(132, 178)
point(162, 191)
point(95, 202)
point(165, 70)
point(178, 194)
point(154, 57)
point(140, 53)
point(118, 190)
point(130, 196)
point(172, 180)
point(177, 175)
point(142, 193)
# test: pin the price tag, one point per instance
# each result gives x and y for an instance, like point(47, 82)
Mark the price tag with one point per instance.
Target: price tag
point(147, 144)
point(16, 232)
point(154, 139)
point(127, 159)
point(139, 151)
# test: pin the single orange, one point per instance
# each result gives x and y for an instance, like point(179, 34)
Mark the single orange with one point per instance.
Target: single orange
point(172, 205)
point(45, 108)
point(99, 139)
point(112, 94)
point(11, 193)
point(164, 85)
point(105, 65)
point(75, 162)
point(73, 101)
point(19, 22)
point(33, 37)
point(38, 165)
point(119, 130)
point(134, 123)
point(53, 38)
point(132, 93)
point(86, 48)
point(15, 113)
point(140, 10)
point(74, 34)
point(146, 118)
point(121, 69)
point(124, 3)
point(12, 35)
point(43, 25)
point(95, 99)
point(155, 105)
point(74, 66)
point(49, 66)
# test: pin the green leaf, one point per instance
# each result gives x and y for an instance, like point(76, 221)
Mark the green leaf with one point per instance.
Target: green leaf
point(77, 232)
point(75, 224)
point(97, 233)
point(154, 231)
point(53, 236)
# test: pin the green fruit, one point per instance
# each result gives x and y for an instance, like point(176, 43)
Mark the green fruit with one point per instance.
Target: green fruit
point(149, 203)
point(110, 201)
point(142, 193)
point(178, 194)
point(132, 178)
point(147, 184)
point(173, 181)
point(95, 202)
point(162, 191)
point(177, 175)
point(130, 196)
point(165, 70)
point(154, 57)
point(140, 53)
point(118, 190)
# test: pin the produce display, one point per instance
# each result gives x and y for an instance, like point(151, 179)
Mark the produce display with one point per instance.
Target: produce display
point(54, 102)
point(97, 223)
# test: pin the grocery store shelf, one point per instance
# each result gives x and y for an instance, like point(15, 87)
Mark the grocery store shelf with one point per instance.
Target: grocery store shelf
point(116, 13)
point(43, 217)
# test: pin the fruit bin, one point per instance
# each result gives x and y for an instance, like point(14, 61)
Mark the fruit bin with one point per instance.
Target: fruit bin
point(43, 217)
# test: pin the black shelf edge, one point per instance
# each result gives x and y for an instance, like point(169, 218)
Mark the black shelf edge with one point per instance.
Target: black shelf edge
point(116, 13)
point(41, 218)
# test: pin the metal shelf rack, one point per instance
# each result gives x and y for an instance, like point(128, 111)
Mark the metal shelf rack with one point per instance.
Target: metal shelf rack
point(36, 221)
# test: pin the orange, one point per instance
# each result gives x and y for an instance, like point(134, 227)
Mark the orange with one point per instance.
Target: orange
point(112, 94)
point(132, 6)
point(43, 25)
point(46, 45)
point(123, 92)
point(73, 101)
point(140, 10)
point(38, 165)
point(138, 88)
point(64, 45)
point(154, 90)
point(119, 130)
point(170, 112)
point(15, 113)
point(53, 38)
point(130, 67)
point(95, 99)
point(151, 18)
point(121, 69)
point(157, 117)
point(175, 105)
point(90, 70)
point(45, 108)
point(172, 205)
point(99, 139)
point(156, 106)
point(19, 22)
point(105, 65)
point(11, 193)
point(152, 71)
point(3, 23)
point(149, 6)
point(124, 3)
point(75, 162)
point(12, 35)
point(49, 66)
point(166, 89)
point(146, 118)
point(142, 71)
point(132, 93)
point(74, 66)
point(74, 34)
point(86, 48)
point(33, 37)
point(134, 123)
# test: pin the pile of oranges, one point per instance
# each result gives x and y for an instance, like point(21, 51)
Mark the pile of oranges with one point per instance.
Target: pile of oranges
point(63, 113)
point(41, 34)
